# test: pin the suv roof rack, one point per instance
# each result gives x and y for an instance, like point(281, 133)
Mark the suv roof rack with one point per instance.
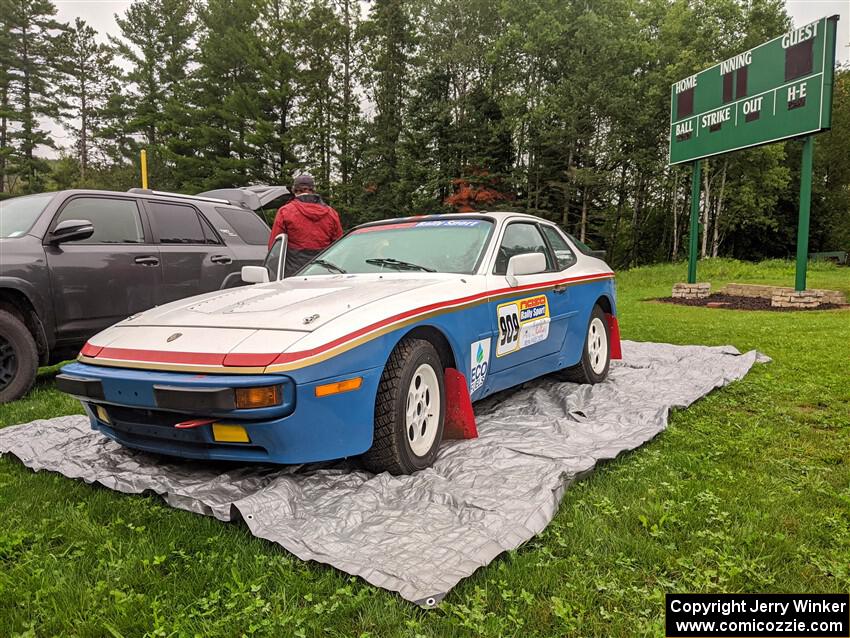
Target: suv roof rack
point(249, 197)
point(148, 191)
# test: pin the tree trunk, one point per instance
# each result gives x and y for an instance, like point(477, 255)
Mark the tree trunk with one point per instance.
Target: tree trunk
point(705, 210)
point(565, 214)
point(636, 211)
point(715, 240)
point(674, 254)
point(84, 126)
point(621, 202)
point(345, 144)
point(584, 199)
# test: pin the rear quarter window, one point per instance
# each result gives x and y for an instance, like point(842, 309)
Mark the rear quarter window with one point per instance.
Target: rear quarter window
point(247, 224)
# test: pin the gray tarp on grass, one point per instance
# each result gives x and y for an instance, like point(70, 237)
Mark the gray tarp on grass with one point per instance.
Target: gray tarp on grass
point(417, 535)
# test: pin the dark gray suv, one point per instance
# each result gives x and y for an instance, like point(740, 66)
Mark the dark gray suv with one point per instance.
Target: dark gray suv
point(74, 262)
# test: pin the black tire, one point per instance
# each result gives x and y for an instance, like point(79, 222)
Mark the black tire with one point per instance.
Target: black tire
point(18, 358)
point(583, 372)
point(391, 449)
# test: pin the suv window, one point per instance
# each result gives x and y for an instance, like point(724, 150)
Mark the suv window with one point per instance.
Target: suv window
point(178, 224)
point(248, 225)
point(115, 221)
point(564, 255)
point(519, 239)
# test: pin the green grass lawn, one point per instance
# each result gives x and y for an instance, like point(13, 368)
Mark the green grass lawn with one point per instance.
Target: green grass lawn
point(748, 490)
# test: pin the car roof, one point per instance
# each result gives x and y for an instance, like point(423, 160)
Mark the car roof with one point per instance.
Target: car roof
point(139, 193)
point(496, 216)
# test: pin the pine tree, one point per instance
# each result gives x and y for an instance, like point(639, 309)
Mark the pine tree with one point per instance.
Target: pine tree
point(87, 69)
point(388, 48)
point(156, 38)
point(7, 74)
point(225, 98)
point(33, 32)
point(276, 72)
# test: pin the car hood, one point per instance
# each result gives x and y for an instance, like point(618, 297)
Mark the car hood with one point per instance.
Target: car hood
point(249, 327)
point(297, 304)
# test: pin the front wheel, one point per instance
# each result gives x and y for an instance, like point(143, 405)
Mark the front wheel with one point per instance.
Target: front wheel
point(596, 354)
point(18, 358)
point(409, 410)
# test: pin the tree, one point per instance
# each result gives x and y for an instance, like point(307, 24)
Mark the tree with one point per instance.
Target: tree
point(156, 41)
point(86, 72)
point(33, 32)
point(7, 112)
point(388, 43)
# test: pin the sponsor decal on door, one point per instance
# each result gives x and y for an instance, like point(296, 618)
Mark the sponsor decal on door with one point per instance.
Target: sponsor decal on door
point(522, 323)
point(479, 353)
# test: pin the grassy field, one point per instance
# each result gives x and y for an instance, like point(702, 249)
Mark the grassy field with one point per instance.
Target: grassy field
point(748, 490)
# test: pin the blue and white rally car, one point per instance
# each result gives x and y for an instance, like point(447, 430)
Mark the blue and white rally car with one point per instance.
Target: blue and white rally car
point(375, 348)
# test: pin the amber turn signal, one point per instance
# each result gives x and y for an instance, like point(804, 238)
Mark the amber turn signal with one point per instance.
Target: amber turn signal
point(265, 397)
point(340, 386)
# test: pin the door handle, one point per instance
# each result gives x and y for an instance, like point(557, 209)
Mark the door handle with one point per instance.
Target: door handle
point(561, 288)
point(147, 260)
point(220, 259)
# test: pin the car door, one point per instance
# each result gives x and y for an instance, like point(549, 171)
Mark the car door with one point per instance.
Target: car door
point(563, 306)
point(194, 259)
point(524, 324)
point(103, 279)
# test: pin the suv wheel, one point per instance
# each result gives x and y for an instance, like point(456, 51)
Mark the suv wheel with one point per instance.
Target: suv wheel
point(18, 358)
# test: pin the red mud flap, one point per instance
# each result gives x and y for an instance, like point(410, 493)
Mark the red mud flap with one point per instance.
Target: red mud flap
point(460, 419)
point(614, 334)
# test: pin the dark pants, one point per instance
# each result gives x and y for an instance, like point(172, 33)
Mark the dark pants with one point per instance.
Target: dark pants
point(296, 259)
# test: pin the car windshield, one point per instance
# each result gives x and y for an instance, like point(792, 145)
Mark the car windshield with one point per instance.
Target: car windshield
point(430, 245)
point(17, 215)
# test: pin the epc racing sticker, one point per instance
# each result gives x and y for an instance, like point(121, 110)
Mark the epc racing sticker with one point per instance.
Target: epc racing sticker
point(522, 323)
point(480, 360)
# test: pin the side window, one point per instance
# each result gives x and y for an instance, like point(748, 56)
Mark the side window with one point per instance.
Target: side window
point(564, 256)
point(519, 239)
point(176, 224)
point(248, 225)
point(209, 234)
point(115, 221)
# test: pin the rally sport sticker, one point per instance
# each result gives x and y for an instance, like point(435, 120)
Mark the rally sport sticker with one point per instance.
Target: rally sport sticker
point(522, 323)
point(479, 353)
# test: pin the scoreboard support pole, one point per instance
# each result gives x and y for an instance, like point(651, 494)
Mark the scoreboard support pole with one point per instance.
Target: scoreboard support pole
point(805, 207)
point(694, 234)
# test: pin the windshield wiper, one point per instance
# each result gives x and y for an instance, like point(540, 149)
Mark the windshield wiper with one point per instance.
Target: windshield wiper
point(328, 266)
point(398, 264)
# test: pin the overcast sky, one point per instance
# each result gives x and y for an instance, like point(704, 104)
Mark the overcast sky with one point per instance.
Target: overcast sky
point(100, 14)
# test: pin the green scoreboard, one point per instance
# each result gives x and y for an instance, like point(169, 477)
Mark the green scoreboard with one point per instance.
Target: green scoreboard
point(777, 90)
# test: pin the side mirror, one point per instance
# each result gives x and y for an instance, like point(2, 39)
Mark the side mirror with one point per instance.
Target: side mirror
point(599, 254)
point(71, 230)
point(255, 275)
point(526, 264)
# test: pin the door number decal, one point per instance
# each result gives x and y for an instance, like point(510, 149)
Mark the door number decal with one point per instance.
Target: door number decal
point(522, 323)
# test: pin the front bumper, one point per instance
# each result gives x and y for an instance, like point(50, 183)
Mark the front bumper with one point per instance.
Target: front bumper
point(143, 407)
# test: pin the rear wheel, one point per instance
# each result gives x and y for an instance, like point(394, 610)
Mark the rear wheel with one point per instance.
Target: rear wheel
point(409, 410)
point(18, 358)
point(596, 354)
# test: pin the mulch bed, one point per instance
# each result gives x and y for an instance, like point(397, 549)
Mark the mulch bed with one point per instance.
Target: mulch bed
point(730, 302)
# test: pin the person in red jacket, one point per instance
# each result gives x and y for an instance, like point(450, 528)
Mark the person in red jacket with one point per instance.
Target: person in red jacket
point(309, 223)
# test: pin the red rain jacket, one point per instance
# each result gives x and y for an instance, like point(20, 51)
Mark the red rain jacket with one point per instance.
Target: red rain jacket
point(309, 223)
